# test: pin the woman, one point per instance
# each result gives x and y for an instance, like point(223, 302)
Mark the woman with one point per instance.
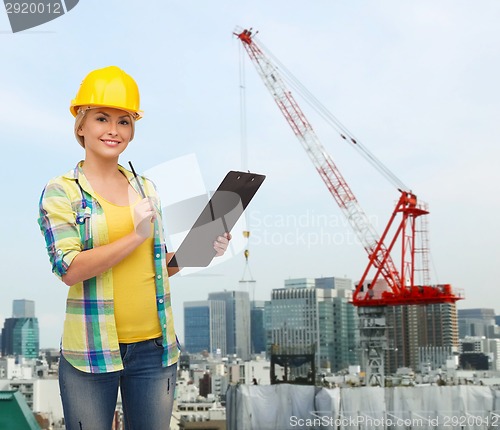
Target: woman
point(105, 241)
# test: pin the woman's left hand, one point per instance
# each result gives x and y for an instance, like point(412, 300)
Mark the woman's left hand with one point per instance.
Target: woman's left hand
point(221, 244)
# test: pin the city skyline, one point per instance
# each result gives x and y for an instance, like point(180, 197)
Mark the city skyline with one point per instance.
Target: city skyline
point(180, 324)
point(440, 323)
point(414, 81)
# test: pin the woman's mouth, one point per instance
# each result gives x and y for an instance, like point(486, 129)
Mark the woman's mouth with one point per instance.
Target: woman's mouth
point(109, 142)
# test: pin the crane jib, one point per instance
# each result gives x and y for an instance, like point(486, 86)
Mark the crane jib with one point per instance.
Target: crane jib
point(387, 285)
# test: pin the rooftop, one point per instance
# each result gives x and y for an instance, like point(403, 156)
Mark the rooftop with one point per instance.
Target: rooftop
point(15, 413)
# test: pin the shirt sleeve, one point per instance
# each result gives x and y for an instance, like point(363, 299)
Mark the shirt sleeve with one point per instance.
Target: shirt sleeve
point(57, 221)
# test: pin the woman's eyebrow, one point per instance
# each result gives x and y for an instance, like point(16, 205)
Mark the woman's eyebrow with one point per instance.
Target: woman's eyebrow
point(99, 112)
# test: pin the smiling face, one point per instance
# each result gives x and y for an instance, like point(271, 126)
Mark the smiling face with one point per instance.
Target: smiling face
point(106, 132)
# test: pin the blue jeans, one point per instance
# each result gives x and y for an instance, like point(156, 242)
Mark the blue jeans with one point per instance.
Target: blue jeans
point(147, 390)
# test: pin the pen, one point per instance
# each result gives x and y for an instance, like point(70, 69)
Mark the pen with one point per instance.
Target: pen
point(143, 194)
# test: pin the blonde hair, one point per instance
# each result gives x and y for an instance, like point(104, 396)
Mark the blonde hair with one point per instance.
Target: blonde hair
point(81, 117)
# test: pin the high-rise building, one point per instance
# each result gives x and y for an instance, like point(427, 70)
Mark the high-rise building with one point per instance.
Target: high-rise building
point(314, 315)
point(8, 336)
point(482, 346)
point(23, 309)
point(20, 334)
point(257, 327)
point(494, 352)
point(345, 329)
point(26, 337)
point(477, 322)
point(485, 314)
point(205, 326)
point(413, 327)
point(237, 321)
point(334, 283)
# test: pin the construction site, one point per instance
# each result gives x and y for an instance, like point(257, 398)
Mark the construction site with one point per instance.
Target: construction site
point(404, 319)
point(393, 300)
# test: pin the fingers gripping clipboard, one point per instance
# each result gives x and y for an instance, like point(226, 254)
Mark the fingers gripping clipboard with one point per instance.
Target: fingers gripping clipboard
point(218, 216)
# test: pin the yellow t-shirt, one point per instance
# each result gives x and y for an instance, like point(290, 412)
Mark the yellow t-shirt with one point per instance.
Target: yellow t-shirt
point(133, 280)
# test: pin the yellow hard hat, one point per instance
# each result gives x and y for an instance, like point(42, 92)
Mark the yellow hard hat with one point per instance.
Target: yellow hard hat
point(109, 87)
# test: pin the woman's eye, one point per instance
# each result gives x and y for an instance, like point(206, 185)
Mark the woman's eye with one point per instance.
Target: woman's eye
point(124, 122)
point(101, 118)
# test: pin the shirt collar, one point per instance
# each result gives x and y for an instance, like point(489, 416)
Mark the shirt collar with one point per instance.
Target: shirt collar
point(77, 174)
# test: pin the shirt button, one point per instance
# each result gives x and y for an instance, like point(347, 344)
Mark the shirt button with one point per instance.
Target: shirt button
point(160, 301)
point(159, 276)
point(157, 255)
point(59, 252)
point(164, 325)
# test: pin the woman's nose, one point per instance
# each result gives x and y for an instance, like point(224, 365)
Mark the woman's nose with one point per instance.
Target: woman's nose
point(112, 129)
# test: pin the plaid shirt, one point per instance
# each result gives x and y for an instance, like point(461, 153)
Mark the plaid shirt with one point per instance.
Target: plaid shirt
point(72, 221)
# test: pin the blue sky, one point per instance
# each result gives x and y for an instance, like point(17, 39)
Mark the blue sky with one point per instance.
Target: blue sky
point(417, 82)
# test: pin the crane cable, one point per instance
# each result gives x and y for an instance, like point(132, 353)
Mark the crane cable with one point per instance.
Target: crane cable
point(344, 133)
point(244, 146)
point(243, 110)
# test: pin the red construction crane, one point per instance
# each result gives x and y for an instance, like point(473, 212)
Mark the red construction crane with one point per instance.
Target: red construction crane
point(387, 285)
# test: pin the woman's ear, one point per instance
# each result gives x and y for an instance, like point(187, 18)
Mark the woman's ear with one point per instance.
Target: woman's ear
point(80, 131)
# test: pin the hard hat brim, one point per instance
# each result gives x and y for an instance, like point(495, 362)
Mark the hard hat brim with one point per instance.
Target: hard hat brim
point(136, 115)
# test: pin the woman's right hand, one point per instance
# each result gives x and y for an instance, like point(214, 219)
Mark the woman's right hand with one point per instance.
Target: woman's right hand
point(144, 216)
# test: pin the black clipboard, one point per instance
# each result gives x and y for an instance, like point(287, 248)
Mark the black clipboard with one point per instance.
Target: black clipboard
point(219, 215)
